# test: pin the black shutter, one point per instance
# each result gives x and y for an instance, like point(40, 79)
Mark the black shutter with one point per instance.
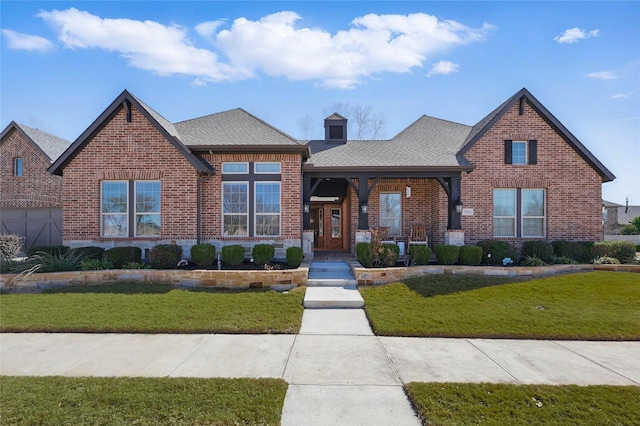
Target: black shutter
point(508, 156)
point(533, 152)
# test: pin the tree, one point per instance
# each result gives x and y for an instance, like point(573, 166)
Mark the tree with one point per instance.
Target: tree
point(306, 126)
point(363, 122)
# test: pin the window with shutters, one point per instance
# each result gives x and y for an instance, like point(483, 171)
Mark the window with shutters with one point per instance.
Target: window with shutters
point(520, 152)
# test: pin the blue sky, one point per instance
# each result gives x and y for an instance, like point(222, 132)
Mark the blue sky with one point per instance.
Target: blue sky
point(62, 63)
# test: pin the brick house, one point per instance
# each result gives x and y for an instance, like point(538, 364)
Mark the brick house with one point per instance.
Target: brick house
point(134, 178)
point(30, 197)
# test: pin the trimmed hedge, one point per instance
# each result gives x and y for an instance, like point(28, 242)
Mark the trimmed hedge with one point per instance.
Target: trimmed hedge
point(447, 254)
point(47, 249)
point(165, 256)
point(419, 254)
point(364, 254)
point(203, 254)
point(91, 252)
point(493, 251)
point(294, 256)
point(470, 255)
point(624, 251)
point(118, 256)
point(263, 253)
point(543, 250)
point(233, 255)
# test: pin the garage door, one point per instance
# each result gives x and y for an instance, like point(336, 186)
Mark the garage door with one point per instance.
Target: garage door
point(39, 227)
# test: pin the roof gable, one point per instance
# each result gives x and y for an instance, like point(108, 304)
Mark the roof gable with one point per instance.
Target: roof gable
point(49, 145)
point(524, 96)
point(127, 100)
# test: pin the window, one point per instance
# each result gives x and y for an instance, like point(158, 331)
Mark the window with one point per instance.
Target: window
point(235, 168)
point(521, 152)
point(519, 213)
point(17, 166)
point(391, 212)
point(335, 223)
point(336, 132)
point(235, 210)
point(267, 208)
point(118, 220)
point(267, 167)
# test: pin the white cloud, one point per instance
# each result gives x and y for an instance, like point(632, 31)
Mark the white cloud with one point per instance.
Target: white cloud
point(272, 45)
point(20, 41)
point(573, 35)
point(443, 67)
point(620, 96)
point(146, 45)
point(603, 75)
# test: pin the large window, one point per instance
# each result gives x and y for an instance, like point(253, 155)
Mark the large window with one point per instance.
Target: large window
point(235, 209)
point(251, 201)
point(391, 212)
point(519, 212)
point(130, 209)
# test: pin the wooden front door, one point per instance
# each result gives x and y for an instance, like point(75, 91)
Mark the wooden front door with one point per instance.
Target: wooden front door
point(327, 225)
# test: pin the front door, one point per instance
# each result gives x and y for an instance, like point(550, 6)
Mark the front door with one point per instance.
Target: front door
point(326, 222)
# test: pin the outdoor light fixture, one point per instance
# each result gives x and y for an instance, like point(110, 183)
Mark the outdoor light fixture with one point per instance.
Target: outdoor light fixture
point(364, 208)
point(305, 207)
point(407, 191)
point(459, 206)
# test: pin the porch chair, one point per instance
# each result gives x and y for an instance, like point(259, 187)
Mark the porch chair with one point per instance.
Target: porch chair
point(385, 238)
point(418, 235)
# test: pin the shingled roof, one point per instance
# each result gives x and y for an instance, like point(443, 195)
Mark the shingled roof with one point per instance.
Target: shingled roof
point(50, 145)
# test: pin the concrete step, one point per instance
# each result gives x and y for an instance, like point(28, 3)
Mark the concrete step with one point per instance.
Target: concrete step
point(344, 297)
point(329, 266)
point(331, 282)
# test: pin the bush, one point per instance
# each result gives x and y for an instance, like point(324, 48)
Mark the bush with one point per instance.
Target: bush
point(233, 255)
point(10, 246)
point(364, 254)
point(91, 252)
point(543, 250)
point(165, 256)
point(494, 251)
point(606, 260)
point(294, 256)
point(580, 251)
point(533, 261)
point(633, 228)
point(419, 254)
point(118, 256)
point(564, 260)
point(470, 255)
point(135, 265)
point(70, 260)
point(624, 251)
point(203, 254)
point(447, 254)
point(637, 247)
point(95, 265)
point(47, 249)
point(263, 253)
point(389, 254)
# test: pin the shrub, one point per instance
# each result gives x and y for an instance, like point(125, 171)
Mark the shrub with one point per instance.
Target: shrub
point(203, 254)
point(70, 260)
point(135, 265)
point(606, 260)
point(165, 256)
point(533, 261)
point(47, 249)
point(470, 255)
point(629, 230)
point(233, 255)
point(263, 253)
point(447, 254)
point(389, 254)
point(419, 255)
point(95, 265)
point(543, 250)
point(364, 254)
point(91, 252)
point(10, 246)
point(580, 251)
point(624, 251)
point(294, 256)
point(637, 247)
point(118, 256)
point(564, 260)
point(493, 251)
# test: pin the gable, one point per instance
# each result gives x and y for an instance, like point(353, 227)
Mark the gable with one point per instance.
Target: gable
point(47, 145)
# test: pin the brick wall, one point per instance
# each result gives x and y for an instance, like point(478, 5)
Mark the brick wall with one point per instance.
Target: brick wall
point(35, 188)
point(573, 188)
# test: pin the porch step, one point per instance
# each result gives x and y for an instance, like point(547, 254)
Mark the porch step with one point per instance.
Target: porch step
point(331, 274)
point(345, 297)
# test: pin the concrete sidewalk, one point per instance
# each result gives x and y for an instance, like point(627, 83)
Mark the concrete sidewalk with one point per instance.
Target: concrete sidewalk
point(338, 371)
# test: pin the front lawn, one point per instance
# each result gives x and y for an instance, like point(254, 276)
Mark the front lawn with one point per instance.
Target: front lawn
point(501, 404)
point(152, 308)
point(586, 306)
point(140, 401)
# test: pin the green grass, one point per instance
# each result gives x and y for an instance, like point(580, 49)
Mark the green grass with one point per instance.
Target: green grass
point(589, 306)
point(151, 308)
point(500, 404)
point(140, 401)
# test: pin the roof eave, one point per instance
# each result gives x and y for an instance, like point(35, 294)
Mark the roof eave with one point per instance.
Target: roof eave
point(301, 149)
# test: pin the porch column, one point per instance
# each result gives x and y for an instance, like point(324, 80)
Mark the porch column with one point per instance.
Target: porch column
point(455, 221)
point(363, 202)
point(306, 201)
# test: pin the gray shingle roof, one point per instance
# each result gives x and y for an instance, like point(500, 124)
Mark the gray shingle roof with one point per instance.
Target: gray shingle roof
point(428, 142)
point(51, 145)
point(234, 127)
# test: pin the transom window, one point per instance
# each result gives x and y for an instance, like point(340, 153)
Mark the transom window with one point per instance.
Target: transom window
point(17, 166)
point(130, 209)
point(235, 168)
point(519, 213)
point(391, 212)
point(267, 167)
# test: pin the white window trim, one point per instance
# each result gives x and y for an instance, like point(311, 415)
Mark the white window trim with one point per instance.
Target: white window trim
point(526, 153)
point(255, 166)
point(103, 214)
point(135, 203)
point(544, 217)
point(256, 214)
point(519, 217)
point(235, 182)
point(235, 173)
point(515, 213)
